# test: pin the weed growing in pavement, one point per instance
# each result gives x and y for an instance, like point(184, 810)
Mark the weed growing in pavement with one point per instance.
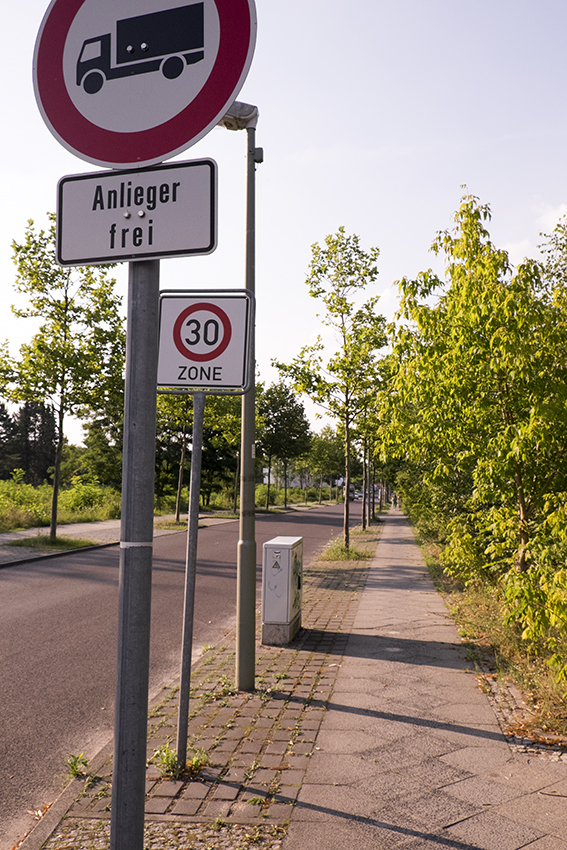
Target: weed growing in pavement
point(217, 824)
point(196, 761)
point(170, 693)
point(92, 780)
point(257, 801)
point(225, 686)
point(166, 760)
point(249, 773)
point(76, 765)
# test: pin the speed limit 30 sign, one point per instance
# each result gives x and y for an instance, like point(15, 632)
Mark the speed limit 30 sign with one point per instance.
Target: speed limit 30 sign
point(204, 341)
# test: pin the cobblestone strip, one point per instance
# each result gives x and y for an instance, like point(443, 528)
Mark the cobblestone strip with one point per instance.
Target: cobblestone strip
point(513, 715)
point(258, 743)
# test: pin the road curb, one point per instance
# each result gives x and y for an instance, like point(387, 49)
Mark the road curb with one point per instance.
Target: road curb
point(45, 827)
point(47, 555)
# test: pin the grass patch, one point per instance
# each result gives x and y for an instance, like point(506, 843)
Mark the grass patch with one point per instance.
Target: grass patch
point(44, 542)
point(170, 524)
point(496, 647)
point(337, 551)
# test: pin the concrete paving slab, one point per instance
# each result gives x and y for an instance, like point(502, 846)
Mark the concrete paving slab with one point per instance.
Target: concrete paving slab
point(326, 768)
point(428, 775)
point(332, 803)
point(481, 759)
point(491, 831)
point(479, 790)
point(527, 773)
point(430, 812)
point(303, 835)
point(542, 811)
point(548, 842)
point(344, 742)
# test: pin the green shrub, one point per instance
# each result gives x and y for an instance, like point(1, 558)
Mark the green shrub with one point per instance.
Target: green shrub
point(261, 492)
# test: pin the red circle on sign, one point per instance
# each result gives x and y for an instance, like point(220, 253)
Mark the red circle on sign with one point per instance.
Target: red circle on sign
point(209, 355)
point(117, 149)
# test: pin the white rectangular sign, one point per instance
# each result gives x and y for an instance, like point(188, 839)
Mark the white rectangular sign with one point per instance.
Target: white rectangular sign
point(117, 216)
point(204, 341)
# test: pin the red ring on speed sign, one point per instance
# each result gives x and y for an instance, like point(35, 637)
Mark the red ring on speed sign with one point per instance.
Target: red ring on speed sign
point(209, 355)
point(145, 147)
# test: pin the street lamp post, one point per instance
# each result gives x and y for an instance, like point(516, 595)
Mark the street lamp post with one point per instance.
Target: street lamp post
point(244, 116)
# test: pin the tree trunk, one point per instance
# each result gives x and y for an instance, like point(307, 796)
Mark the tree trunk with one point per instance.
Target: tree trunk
point(521, 558)
point(180, 479)
point(364, 484)
point(236, 479)
point(373, 515)
point(346, 531)
point(369, 507)
point(269, 477)
point(57, 473)
point(285, 484)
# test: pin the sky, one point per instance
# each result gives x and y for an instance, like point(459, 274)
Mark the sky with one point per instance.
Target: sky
point(373, 116)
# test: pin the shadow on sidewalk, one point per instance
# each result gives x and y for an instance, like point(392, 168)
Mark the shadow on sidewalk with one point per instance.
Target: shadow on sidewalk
point(432, 838)
point(388, 648)
point(410, 720)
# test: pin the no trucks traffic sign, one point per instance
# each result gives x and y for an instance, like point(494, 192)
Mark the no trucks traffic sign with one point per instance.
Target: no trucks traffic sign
point(204, 341)
point(128, 83)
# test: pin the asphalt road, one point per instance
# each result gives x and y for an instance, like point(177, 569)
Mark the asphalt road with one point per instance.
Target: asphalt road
point(58, 627)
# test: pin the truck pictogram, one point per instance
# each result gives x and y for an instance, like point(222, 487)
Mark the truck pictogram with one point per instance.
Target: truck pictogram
point(167, 40)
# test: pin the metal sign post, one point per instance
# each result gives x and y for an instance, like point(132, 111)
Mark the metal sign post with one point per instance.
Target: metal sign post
point(205, 346)
point(190, 575)
point(136, 546)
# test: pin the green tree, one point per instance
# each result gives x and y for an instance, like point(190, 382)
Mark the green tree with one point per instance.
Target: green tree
point(9, 459)
point(341, 385)
point(221, 442)
point(482, 379)
point(286, 434)
point(74, 362)
point(34, 441)
point(479, 403)
point(221, 437)
point(174, 424)
point(327, 457)
point(101, 459)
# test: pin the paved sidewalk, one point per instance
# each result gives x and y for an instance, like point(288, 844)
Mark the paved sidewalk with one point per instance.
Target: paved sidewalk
point(410, 752)
point(368, 731)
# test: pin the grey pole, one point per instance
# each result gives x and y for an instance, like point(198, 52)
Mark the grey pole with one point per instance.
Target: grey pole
point(190, 574)
point(246, 552)
point(136, 542)
point(242, 116)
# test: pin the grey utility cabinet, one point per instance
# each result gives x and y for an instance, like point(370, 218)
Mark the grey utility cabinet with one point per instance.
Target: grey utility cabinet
point(282, 581)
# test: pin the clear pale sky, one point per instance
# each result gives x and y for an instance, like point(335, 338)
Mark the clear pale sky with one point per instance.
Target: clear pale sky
point(373, 114)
